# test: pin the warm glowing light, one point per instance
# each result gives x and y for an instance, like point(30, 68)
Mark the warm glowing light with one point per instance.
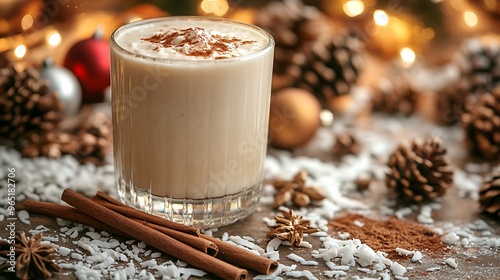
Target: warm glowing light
point(354, 8)
point(54, 38)
point(20, 51)
point(408, 56)
point(134, 19)
point(380, 17)
point(470, 18)
point(216, 7)
point(27, 22)
point(326, 117)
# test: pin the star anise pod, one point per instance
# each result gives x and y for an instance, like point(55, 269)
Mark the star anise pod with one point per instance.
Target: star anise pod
point(296, 191)
point(33, 259)
point(291, 228)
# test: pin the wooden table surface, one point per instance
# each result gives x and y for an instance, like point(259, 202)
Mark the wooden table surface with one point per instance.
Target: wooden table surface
point(475, 262)
point(485, 265)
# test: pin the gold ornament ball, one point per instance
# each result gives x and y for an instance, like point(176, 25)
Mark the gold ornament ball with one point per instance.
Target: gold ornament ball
point(294, 117)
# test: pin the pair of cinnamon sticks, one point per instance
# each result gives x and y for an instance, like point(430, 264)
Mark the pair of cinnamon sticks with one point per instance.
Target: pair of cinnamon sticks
point(180, 241)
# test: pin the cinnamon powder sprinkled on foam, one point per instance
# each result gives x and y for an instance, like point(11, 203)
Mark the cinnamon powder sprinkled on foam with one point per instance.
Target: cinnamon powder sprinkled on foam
point(388, 235)
point(197, 42)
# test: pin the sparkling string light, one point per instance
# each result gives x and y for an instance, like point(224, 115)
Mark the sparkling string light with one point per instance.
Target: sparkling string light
point(214, 7)
point(54, 38)
point(407, 56)
point(20, 51)
point(353, 8)
point(470, 18)
point(380, 17)
point(27, 22)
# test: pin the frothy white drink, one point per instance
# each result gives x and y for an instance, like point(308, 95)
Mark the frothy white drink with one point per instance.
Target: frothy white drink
point(184, 41)
point(190, 107)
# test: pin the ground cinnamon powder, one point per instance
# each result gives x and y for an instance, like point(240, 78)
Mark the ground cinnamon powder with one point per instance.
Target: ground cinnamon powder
point(388, 235)
point(220, 44)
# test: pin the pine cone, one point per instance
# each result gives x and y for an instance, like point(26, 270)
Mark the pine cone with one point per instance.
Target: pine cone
point(480, 64)
point(293, 25)
point(481, 123)
point(419, 170)
point(450, 102)
point(50, 144)
point(26, 104)
point(91, 143)
point(395, 96)
point(489, 194)
point(345, 144)
point(328, 67)
point(95, 138)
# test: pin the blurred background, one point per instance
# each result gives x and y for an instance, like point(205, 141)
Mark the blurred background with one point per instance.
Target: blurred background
point(33, 29)
point(412, 56)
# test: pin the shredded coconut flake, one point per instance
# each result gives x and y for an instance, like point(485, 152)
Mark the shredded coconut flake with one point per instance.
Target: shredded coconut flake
point(451, 262)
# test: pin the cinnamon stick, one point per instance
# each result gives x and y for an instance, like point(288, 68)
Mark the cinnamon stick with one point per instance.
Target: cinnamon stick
point(154, 238)
point(202, 244)
point(226, 252)
point(243, 258)
point(130, 212)
point(75, 215)
point(66, 213)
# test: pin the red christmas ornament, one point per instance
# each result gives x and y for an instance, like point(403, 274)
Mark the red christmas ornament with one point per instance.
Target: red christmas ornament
point(89, 61)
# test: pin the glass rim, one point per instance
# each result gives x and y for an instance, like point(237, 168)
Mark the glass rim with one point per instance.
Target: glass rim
point(114, 45)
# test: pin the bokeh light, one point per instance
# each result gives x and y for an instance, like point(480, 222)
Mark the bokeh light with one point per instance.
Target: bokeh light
point(380, 17)
point(354, 8)
point(408, 56)
point(470, 18)
point(20, 51)
point(215, 7)
point(54, 38)
point(27, 22)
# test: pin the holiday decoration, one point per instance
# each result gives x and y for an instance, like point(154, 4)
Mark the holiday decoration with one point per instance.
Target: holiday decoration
point(291, 228)
point(419, 170)
point(90, 62)
point(296, 191)
point(50, 144)
point(95, 138)
point(294, 117)
point(26, 103)
point(90, 143)
point(390, 34)
point(65, 85)
point(19, 16)
point(345, 144)
point(67, 11)
point(328, 67)
point(395, 96)
point(489, 194)
point(33, 259)
point(481, 124)
point(450, 102)
point(293, 26)
point(480, 63)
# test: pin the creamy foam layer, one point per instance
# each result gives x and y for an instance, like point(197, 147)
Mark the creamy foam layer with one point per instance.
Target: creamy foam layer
point(194, 39)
